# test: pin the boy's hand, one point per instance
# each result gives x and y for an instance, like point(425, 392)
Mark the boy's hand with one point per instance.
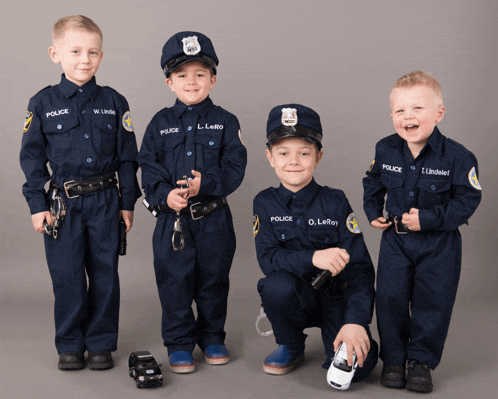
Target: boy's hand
point(411, 220)
point(195, 184)
point(128, 218)
point(39, 218)
point(356, 339)
point(381, 223)
point(177, 198)
point(331, 259)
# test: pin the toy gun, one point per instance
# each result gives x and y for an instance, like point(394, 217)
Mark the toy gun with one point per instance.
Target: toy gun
point(122, 237)
point(319, 280)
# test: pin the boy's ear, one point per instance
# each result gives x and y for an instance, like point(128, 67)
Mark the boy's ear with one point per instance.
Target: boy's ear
point(213, 81)
point(53, 54)
point(441, 112)
point(170, 84)
point(319, 156)
point(270, 158)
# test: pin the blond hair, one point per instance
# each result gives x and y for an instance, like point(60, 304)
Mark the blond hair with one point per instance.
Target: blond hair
point(74, 22)
point(419, 78)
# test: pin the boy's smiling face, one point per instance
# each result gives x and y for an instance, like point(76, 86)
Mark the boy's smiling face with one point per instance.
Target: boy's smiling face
point(415, 111)
point(191, 82)
point(294, 161)
point(79, 52)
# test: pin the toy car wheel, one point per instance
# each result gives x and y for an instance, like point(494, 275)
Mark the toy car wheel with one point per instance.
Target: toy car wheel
point(131, 373)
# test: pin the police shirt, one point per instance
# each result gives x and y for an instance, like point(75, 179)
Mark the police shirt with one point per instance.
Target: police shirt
point(441, 182)
point(289, 227)
point(201, 137)
point(82, 132)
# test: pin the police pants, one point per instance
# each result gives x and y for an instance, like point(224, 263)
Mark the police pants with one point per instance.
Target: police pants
point(292, 305)
point(417, 281)
point(83, 264)
point(197, 273)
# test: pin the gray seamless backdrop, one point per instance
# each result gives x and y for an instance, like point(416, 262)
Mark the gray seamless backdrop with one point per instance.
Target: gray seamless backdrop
point(339, 58)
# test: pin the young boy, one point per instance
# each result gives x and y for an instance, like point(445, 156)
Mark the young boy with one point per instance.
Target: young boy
point(201, 141)
point(84, 132)
point(432, 188)
point(300, 229)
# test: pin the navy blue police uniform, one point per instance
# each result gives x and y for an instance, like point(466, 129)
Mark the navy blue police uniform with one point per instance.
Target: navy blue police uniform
point(206, 138)
point(418, 272)
point(288, 228)
point(83, 133)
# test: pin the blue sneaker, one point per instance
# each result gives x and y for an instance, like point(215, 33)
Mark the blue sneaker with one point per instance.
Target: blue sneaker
point(281, 361)
point(216, 354)
point(181, 362)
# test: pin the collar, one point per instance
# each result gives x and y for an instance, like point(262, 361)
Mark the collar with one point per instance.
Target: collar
point(68, 88)
point(305, 195)
point(436, 141)
point(202, 108)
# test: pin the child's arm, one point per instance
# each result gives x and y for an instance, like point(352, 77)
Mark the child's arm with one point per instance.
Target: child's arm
point(356, 339)
point(39, 218)
point(332, 259)
point(224, 177)
point(374, 192)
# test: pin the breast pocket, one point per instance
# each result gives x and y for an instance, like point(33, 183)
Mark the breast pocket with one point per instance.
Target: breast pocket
point(57, 133)
point(105, 130)
point(210, 145)
point(286, 235)
point(171, 148)
point(394, 187)
point(323, 238)
point(433, 192)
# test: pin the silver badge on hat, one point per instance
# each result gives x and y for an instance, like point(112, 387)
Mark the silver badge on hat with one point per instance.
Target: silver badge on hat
point(289, 116)
point(191, 46)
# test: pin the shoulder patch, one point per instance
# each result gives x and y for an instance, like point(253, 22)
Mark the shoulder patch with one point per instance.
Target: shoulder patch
point(352, 224)
point(127, 122)
point(371, 166)
point(473, 179)
point(255, 225)
point(27, 121)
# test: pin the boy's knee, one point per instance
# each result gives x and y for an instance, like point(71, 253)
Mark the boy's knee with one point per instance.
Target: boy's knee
point(278, 288)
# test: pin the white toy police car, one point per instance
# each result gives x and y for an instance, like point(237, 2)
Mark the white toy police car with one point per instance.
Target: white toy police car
point(340, 374)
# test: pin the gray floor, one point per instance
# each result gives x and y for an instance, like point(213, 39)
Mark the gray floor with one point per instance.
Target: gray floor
point(28, 367)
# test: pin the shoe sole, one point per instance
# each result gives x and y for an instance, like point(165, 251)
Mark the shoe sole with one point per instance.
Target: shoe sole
point(182, 369)
point(419, 388)
point(100, 366)
point(217, 360)
point(393, 384)
point(71, 366)
point(276, 370)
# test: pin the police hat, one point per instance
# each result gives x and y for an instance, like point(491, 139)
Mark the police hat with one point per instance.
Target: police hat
point(185, 47)
point(294, 120)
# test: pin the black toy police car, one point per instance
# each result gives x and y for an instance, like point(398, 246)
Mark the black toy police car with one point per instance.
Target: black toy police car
point(145, 370)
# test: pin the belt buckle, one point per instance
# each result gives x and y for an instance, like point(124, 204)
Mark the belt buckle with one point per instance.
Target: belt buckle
point(396, 221)
point(192, 212)
point(67, 193)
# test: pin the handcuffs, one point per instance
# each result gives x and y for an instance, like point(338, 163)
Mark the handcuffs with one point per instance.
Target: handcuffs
point(58, 211)
point(262, 315)
point(177, 229)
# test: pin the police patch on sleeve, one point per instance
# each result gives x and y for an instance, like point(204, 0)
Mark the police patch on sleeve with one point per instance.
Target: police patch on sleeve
point(372, 166)
point(127, 122)
point(352, 224)
point(27, 122)
point(473, 179)
point(255, 225)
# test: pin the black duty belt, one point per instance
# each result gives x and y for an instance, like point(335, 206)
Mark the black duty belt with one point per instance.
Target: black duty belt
point(195, 211)
point(401, 228)
point(75, 188)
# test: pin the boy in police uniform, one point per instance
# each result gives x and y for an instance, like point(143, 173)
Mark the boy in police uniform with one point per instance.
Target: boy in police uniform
point(432, 188)
point(201, 141)
point(301, 229)
point(84, 132)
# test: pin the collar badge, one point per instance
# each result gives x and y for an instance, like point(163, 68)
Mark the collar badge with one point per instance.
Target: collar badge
point(289, 116)
point(191, 46)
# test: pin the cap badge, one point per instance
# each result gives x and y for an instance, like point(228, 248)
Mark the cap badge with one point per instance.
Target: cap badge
point(289, 116)
point(191, 46)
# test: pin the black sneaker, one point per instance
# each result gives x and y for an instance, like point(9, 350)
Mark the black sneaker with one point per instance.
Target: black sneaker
point(393, 376)
point(71, 361)
point(98, 360)
point(419, 377)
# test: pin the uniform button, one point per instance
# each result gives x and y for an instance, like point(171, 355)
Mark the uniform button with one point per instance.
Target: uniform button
point(109, 126)
point(89, 160)
point(294, 196)
point(211, 143)
point(59, 127)
point(162, 202)
point(83, 111)
point(298, 221)
point(282, 236)
point(80, 90)
point(86, 135)
point(433, 187)
point(189, 128)
point(326, 239)
point(190, 108)
point(189, 153)
point(411, 193)
point(412, 167)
